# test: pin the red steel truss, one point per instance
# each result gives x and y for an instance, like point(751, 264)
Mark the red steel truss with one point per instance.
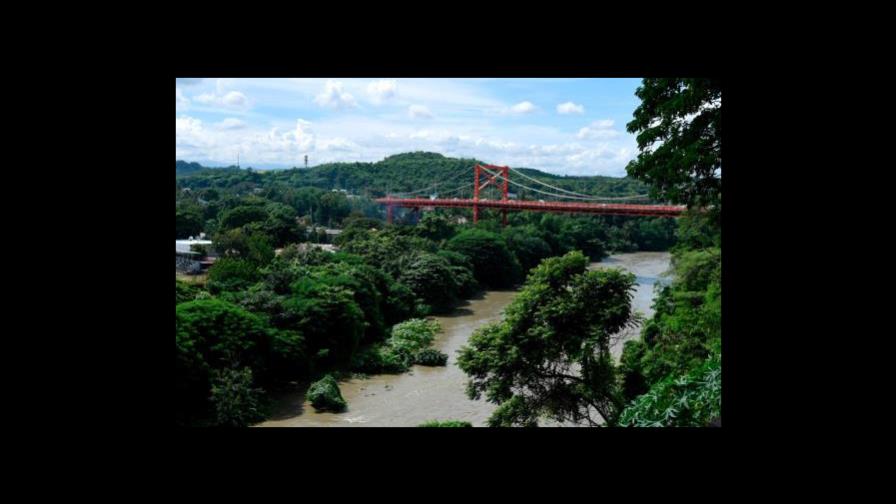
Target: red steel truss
point(505, 204)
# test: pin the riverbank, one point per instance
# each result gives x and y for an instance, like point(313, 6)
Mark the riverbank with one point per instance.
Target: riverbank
point(438, 393)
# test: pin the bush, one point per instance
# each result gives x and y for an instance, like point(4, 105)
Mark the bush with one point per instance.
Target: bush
point(231, 274)
point(446, 423)
point(378, 359)
point(692, 400)
point(406, 346)
point(412, 335)
point(184, 292)
point(324, 395)
point(236, 403)
point(431, 357)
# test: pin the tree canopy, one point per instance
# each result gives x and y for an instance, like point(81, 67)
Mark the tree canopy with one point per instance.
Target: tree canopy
point(679, 133)
point(550, 356)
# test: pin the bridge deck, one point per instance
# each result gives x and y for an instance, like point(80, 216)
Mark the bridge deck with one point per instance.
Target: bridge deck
point(546, 206)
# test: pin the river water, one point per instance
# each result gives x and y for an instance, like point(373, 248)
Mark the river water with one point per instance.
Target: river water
point(438, 393)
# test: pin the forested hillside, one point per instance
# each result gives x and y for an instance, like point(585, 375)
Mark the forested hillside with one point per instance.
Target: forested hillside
point(394, 174)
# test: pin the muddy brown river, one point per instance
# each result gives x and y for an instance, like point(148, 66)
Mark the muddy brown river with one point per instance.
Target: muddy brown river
point(438, 393)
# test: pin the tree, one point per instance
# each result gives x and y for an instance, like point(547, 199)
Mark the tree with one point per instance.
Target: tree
point(331, 208)
point(237, 403)
point(436, 227)
point(493, 264)
point(550, 356)
point(242, 215)
point(527, 245)
point(231, 274)
point(188, 222)
point(281, 225)
point(212, 334)
point(245, 243)
point(431, 278)
point(330, 321)
point(679, 133)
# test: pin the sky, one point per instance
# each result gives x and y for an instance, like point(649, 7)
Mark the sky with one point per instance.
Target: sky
point(561, 126)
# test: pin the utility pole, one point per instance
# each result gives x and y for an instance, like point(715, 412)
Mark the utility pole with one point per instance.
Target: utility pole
point(306, 161)
point(237, 160)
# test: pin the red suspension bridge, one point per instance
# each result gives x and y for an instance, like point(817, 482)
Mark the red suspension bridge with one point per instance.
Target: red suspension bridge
point(499, 177)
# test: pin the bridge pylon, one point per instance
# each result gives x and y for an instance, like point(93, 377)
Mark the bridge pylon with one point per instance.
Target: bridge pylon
point(491, 178)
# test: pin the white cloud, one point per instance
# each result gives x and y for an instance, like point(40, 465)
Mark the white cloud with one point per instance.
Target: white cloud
point(186, 125)
point(231, 123)
point(180, 101)
point(570, 108)
point(522, 108)
point(335, 96)
point(471, 122)
point(235, 99)
point(419, 112)
point(207, 98)
point(602, 129)
point(304, 135)
point(232, 99)
point(187, 82)
point(337, 144)
point(382, 90)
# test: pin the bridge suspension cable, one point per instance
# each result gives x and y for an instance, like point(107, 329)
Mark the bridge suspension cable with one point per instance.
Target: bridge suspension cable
point(425, 189)
point(581, 195)
point(591, 198)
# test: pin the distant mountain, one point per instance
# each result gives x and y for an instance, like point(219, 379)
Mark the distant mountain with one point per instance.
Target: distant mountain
point(183, 167)
point(422, 173)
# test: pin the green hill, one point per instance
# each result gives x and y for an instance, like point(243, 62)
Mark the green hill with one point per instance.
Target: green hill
point(399, 173)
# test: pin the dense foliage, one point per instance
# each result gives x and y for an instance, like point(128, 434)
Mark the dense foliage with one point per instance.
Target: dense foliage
point(493, 264)
point(672, 374)
point(184, 292)
point(324, 395)
point(276, 310)
point(430, 357)
point(407, 345)
point(212, 336)
point(237, 403)
point(681, 339)
point(446, 423)
point(394, 174)
point(694, 399)
point(679, 131)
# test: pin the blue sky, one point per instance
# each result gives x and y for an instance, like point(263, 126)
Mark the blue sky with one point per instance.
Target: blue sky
point(563, 126)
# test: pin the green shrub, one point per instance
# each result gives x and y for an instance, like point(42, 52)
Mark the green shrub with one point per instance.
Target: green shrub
point(378, 359)
point(431, 357)
point(237, 403)
point(231, 274)
point(406, 346)
point(184, 292)
point(412, 335)
point(446, 423)
point(692, 400)
point(324, 395)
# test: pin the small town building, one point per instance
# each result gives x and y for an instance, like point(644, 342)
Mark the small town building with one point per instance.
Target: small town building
point(193, 256)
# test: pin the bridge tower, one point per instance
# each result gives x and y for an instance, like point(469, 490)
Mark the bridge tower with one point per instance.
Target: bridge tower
point(491, 178)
